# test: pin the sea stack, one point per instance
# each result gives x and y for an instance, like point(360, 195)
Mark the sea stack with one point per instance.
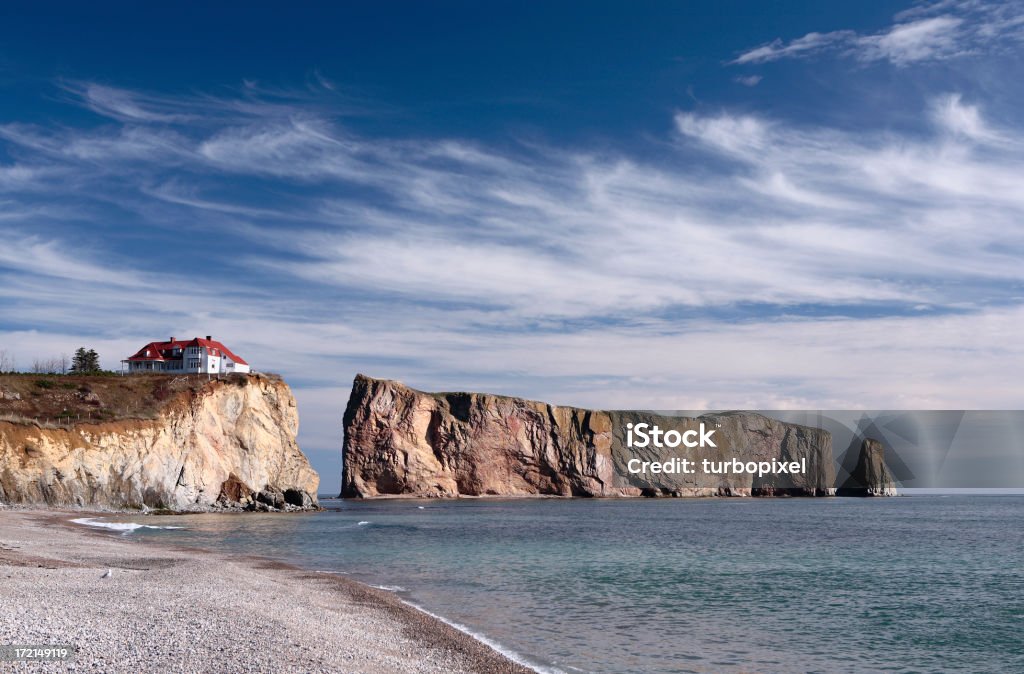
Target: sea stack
point(871, 475)
point(156, 441)
point(404, 442)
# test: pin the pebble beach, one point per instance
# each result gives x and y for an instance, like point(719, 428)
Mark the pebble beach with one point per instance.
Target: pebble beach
point(163, 608)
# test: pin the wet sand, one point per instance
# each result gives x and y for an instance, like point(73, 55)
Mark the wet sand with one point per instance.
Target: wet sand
point(168, 608)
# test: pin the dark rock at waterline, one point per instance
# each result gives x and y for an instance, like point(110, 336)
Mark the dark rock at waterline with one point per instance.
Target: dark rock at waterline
point(871, 476)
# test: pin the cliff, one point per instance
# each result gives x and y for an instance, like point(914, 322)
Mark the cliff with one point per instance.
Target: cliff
point(403, 442)
point(871, 476)
point(200, 445)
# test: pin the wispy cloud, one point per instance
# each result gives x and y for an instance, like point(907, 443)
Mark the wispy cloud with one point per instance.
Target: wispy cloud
point(537, 228)
point(124, 106)
point(748, 80)
point(803, 46)
point(929, 32)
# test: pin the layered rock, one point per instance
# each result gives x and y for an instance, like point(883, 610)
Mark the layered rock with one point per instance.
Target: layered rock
point(403, 442)
point(230, 443)
point(871, 476)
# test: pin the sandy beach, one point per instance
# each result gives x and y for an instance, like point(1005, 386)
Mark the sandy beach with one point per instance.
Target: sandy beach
point(167, 609)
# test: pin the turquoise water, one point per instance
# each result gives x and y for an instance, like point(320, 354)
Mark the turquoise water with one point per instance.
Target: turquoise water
point(924, 583)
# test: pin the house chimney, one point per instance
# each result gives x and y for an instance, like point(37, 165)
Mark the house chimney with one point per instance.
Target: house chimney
point(171, 339)
point(208, 338)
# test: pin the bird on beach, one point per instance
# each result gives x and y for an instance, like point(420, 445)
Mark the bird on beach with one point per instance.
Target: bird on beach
point(108, 574)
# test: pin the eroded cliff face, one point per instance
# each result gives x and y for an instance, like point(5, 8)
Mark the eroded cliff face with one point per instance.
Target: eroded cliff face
point(871, 476)
point(403, 442)
point(229, 444)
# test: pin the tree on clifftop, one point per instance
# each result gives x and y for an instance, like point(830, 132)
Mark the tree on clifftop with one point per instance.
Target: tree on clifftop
point(85, 361)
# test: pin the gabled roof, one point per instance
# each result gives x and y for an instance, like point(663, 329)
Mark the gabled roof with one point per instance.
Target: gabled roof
point(160, 351)
point(216, 348)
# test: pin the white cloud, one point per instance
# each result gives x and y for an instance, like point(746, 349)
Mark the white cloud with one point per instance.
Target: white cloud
point(952, 114)
point(123, 105)
point(17, 177)
point(741, 135)
point(927, 39)
point(932, 32)
point(297, 148)
point(32, 255)
point(802, 46)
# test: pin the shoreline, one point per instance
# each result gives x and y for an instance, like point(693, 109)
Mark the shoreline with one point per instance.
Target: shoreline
point(171, 607)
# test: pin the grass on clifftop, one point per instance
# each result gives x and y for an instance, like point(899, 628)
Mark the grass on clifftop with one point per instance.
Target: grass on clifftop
point(62, 400)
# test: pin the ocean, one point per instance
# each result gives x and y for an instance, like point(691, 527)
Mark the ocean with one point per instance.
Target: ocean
point(910, 584)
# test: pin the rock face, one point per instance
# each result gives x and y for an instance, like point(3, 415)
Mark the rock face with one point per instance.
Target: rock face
point(229, 444)
point(403, 442)
point(871, 476)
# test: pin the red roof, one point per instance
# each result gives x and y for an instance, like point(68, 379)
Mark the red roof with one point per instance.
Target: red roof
point(158, 350)
point(216, 349)
point(163, 350)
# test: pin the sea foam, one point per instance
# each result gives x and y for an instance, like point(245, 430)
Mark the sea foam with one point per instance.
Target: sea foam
point(490, 643)
point(126, 527)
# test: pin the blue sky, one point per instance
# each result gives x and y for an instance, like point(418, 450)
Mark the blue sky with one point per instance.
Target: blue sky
point(642, 205)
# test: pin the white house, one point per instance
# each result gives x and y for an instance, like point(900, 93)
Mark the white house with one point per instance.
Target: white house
point(197, 356)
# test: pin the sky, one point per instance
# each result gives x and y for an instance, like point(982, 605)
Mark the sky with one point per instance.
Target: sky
point(653, 205)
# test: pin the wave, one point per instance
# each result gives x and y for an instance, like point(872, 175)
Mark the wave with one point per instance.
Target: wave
point(390, 588)
point(490, 643)
point(362, 524)
point(126, 527)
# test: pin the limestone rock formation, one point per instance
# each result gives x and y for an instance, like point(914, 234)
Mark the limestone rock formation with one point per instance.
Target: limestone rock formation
point(403, 442)
point(871, 476)
point(230, 443)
